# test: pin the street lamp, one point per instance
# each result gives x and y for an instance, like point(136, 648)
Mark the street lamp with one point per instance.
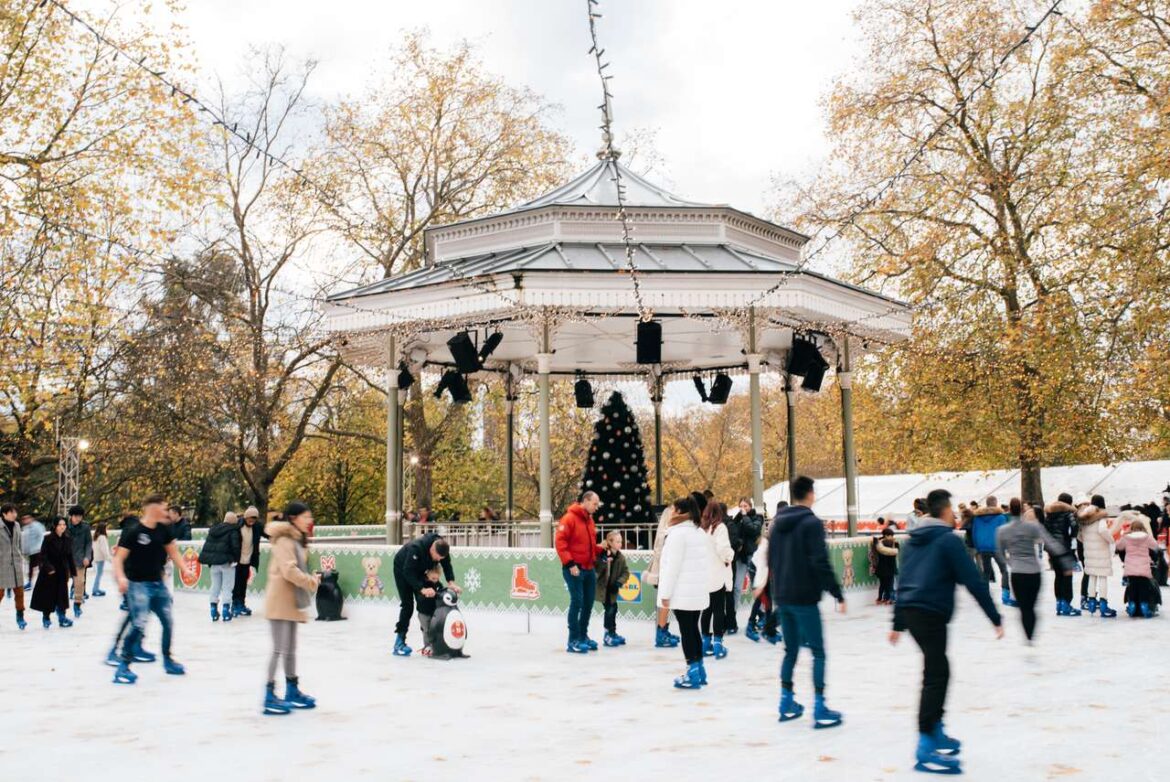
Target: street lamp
point(83, 444)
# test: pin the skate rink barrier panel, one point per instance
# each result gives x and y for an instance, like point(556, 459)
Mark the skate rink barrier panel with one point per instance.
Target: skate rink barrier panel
point(500, 579)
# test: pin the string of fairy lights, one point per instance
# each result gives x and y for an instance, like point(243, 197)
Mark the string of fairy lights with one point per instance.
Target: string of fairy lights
point(608, 152)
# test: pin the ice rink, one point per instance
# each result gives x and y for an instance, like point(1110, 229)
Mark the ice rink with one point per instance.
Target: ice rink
point(1085, 703)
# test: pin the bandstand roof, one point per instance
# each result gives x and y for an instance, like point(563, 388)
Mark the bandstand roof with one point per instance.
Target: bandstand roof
point(559, 261)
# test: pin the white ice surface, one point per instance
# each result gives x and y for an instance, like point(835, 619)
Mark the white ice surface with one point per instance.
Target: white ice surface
point(1086, 703)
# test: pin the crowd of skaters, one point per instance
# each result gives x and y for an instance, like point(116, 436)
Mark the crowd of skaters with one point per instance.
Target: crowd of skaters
point(703, 555)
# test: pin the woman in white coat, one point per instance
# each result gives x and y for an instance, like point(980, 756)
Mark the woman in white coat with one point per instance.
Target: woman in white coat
point(722, 577)
point(684, 585)
point(1097, 536)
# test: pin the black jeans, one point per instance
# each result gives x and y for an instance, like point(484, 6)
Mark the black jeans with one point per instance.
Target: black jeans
point(1061, 584)
point(611, 618)
point(406, 596)
point(716, 613)
point(929, 631)
point(986, 558)
point(688, 629)
point(886, 586)
point(240, 588)
point(1026, 587)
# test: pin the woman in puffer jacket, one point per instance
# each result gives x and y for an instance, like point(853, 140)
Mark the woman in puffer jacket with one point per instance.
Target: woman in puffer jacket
point(1097, 536)
point(684, 585)
point(722, 577)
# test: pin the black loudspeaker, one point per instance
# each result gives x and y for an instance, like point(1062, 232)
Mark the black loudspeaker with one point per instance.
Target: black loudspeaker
point(583, 392)
point(720, 390)
point(814, 375)
point(405, 379)
point(803, 356)
point(702, 389)
point(489, 345)
point(463, 351)
point(649, 342)
point(330, 598)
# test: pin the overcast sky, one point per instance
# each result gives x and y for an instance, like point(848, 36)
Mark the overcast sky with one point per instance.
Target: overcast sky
point(732, 89)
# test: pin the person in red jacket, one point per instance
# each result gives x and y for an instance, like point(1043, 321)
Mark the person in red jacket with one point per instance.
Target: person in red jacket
point(576, 543)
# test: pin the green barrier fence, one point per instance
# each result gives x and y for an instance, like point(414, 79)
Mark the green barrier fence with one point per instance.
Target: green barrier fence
point(501, 579)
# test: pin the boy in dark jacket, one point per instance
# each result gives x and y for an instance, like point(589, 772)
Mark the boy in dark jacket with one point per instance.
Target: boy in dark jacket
point(426, 605)
point(934, 561)
point(886, 565)
point(799, 571)
point(221, 553)
point(612, 572)
point(81, 539)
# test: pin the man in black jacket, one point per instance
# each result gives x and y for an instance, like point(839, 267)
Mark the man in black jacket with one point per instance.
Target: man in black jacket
point(411, 564)
point(799, 571)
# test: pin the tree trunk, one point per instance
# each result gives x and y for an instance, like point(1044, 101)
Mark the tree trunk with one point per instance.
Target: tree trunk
point(1031, 491)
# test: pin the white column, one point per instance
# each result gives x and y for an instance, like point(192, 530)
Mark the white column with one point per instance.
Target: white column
point(393, 466)
point(543, 366)
point(845, 377)
point(754, 360)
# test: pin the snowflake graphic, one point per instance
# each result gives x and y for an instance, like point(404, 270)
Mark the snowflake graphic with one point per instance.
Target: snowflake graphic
point(473, 580)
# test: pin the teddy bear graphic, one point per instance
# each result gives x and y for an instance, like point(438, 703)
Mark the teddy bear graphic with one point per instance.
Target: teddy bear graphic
point(371, 584)
point(847, 570)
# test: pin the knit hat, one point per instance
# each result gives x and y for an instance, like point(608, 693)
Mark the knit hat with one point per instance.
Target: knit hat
point(252, 512)
point(230, 518)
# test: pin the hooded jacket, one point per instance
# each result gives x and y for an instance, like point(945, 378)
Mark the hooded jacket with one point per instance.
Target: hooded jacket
point(722, 573)
point(414, 560)
point(81, 537)
point(1061, 522)
point(286, 573)
point(1137, 548)
point(986, 523)
point(1097, 536)
point(576, 538)
point(798, 559)
point(612, 572)
point(934, 561)
point(222, 546)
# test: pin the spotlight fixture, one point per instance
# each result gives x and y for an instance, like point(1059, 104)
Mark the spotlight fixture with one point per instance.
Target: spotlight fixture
point(803, 356)
point(583, 391)
point(720, 389)
point(489, 345)
point(455, 383)
point(649, 342)
point(815, 375)
point(405, 379)
point(463, 352)
point(702, 389)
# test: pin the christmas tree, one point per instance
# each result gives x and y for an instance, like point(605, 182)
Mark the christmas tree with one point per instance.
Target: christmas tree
point(616, 467)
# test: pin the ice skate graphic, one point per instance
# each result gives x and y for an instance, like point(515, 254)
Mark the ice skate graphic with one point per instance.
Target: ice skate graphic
point(522, 587)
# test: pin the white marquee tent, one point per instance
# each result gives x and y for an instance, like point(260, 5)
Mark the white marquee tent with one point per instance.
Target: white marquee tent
point(890, 496)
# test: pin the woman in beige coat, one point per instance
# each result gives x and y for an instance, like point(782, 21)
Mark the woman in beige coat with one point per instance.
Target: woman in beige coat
point(1097, 536)
point(287, 597)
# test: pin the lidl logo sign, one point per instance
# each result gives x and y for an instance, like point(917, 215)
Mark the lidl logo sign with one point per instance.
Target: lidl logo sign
point(631, 591)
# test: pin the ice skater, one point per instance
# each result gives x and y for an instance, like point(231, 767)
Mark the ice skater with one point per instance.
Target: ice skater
point(714, 618)
point(663, 638)
point(32, 537)
point(612, 572)
point(577, 547)
point(798, 563)
point(1097, 536)
point(81, 537)
point(12, 561)
point(934, 561)
point(101, 555)
point(1019, 542)
point(138, 565)
point(684, 585)
point(250, 534)
point(1060, 521)
point(984, 526)
point(411, 564)
point(139, 655)
point(51, 592)
point(1138, 550)
point(886, 566)
point(287, 597)
point(221, 552)
point(762, 607)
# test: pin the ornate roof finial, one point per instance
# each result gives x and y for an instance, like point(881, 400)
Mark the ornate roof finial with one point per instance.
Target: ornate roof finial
point(606, 154)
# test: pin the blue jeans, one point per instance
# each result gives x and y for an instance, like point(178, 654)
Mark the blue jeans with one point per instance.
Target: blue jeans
point(801, 626)
point(145, 598)
point(97, 579)
point(582, 592)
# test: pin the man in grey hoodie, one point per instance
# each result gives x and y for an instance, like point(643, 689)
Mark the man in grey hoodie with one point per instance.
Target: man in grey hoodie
point(81, 537)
